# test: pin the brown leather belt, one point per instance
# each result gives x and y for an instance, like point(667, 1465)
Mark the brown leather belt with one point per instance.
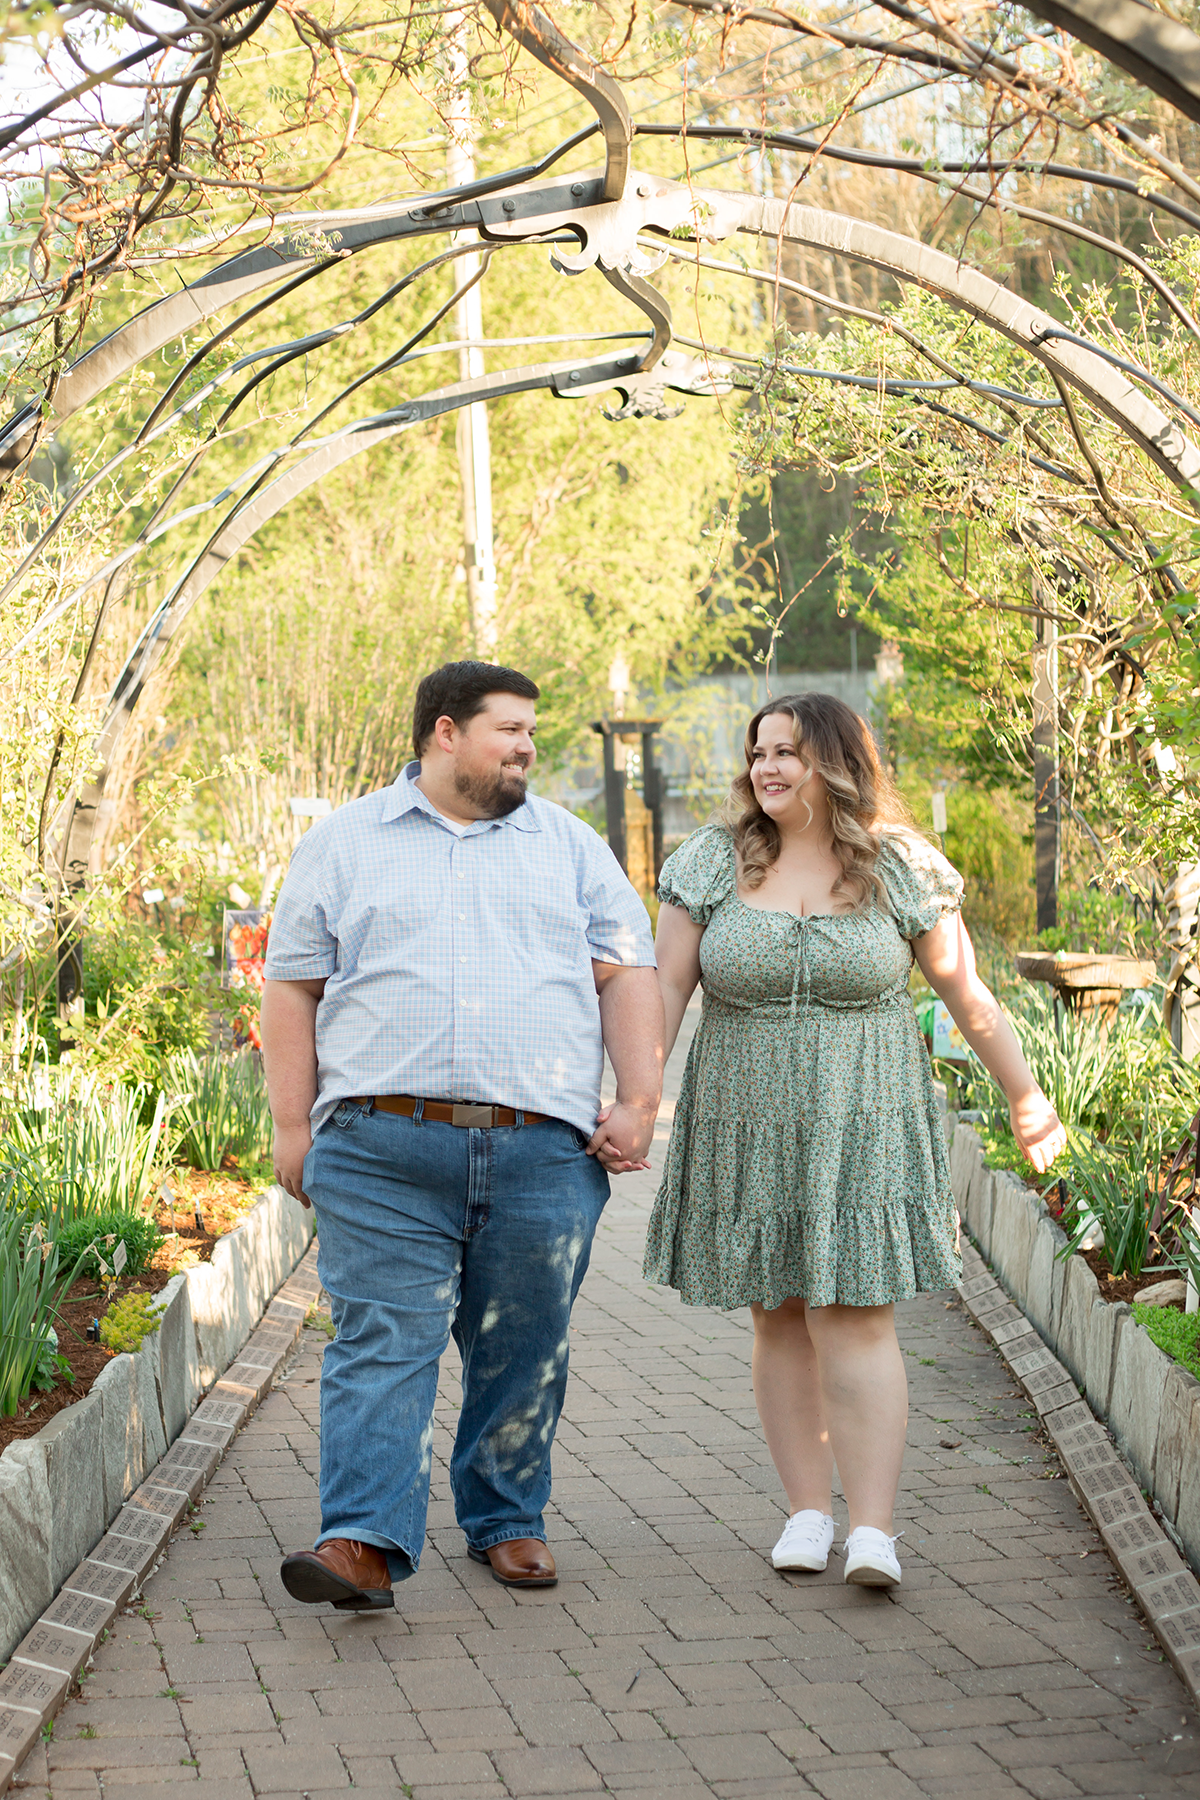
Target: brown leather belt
point(447, 1112)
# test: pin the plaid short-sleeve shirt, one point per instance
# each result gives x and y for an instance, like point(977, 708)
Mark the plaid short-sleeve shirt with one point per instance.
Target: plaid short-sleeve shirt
point(456, 967)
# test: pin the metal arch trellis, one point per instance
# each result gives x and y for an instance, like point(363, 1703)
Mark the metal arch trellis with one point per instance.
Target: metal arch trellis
point(607, 217)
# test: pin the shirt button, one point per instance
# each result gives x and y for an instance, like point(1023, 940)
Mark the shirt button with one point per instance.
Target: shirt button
point(462, 959)
point(461, 875)
point(462, 915)
point(462, 1003)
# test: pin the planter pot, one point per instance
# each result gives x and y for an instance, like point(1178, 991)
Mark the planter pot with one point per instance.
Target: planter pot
point(60, 1490)
point(1149, 1404)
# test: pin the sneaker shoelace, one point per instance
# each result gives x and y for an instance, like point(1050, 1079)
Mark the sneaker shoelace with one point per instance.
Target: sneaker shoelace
point(891, 1542)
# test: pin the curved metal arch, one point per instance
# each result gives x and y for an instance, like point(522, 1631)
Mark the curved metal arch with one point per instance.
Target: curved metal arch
point(609, 232)
point(567, 380)
point(1157, 51)
point(908, 260)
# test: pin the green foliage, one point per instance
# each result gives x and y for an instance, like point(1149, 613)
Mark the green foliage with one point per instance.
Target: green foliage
point(130, 1320)
point(33, 1278)
point(982, 536)
point(1091, 919)
point(1115, 1198)
point(1101, 1085)
point(76, 1146)
point(223, 1108)
point(1176, 1333)
point(93, 1240)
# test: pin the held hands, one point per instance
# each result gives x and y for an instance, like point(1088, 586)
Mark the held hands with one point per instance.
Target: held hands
point(1037, 1128)
point(292, 1145)
point(622, 1137)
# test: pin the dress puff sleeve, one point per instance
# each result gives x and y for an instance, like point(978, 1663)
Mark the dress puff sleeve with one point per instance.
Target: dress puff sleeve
point(700, 875)
point(921, 884)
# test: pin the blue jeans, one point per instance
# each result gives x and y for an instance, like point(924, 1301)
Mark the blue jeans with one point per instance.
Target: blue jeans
point(426, 1230)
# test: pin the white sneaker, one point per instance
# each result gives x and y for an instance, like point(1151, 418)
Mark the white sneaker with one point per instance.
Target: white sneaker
point(871, 1558)
point(806, 1541)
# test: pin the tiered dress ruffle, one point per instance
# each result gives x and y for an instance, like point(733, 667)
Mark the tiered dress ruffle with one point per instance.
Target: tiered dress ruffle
point(807, 1156)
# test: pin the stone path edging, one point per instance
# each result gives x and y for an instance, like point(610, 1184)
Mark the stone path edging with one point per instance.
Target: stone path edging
point(1166, 1589)
point(44, 1665)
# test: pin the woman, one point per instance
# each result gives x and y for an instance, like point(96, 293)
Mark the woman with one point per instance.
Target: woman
point(807, 1175)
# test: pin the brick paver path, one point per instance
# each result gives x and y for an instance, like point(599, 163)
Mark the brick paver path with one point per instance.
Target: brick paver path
point(670, 1659)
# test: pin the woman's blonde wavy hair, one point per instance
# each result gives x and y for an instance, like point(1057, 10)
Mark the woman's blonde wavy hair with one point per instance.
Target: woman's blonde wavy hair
point(831, 738)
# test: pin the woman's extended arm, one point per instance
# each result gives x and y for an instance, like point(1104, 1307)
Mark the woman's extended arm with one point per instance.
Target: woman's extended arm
point(677, 949)
point(946, 958)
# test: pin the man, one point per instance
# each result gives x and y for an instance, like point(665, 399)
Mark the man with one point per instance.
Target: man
point(448, 959)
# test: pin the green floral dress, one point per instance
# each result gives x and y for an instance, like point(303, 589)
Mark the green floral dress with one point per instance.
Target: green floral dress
point(807, 1155)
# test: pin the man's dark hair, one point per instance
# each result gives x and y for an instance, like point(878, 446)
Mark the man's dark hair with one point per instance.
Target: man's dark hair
point(458, 691)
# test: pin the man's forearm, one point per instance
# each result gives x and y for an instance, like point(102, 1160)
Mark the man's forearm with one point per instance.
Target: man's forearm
point(289, 1042)
point(631, 1020)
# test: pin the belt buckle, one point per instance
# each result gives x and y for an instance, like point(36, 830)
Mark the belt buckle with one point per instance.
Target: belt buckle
point(479, 1116)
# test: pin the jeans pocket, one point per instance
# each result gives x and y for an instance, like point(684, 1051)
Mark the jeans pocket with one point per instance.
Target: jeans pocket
point(346, 1114)
point(580, 1139)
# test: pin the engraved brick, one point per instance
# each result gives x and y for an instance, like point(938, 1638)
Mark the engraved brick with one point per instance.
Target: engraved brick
point(125, 1553)
point(54, 1647)
point(978, 1284)
point(1068, 1417)
point(269, 1335)
point(18, 1731)
point(1040, 1368)
point(186, 1455)
point(100, 1583)
point(287, 1312)
point(1181, 1631)
point(79, 1612)
point(36, 1690)
point(1105, 1478)
point(217, 1412)
point(1124, 1503)
point(168, 1503)
point(243, 1384)
point(1013, 1330)
point(1187, 1662)
point(143, 1527)
point(247, 1375)
point(215, 1437)
point(1052, 1399)
point(1141, 1566)
point(1176, 1592)
point(1097, 1454)
point(1126, 1533)
point(1078, 1442)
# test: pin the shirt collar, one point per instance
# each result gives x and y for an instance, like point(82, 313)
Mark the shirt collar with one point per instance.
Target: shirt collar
point(404, 796)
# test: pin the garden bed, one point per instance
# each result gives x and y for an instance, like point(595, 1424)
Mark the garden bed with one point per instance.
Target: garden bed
point(220, 1202)
point(63, 1483)
point(1149, 1402)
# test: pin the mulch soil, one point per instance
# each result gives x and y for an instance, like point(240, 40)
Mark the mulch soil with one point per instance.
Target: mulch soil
point(86, 1300)
point(219, 1201)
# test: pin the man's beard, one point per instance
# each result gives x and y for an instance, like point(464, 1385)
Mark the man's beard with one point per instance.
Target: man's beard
point(493, 796)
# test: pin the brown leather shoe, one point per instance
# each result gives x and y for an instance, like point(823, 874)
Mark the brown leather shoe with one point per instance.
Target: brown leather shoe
point(343, 1572)
point(519, 1562)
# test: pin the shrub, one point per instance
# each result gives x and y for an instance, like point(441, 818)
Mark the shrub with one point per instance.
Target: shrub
point(1176, 1333)
point(130, 1320)
point(96, 1236)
